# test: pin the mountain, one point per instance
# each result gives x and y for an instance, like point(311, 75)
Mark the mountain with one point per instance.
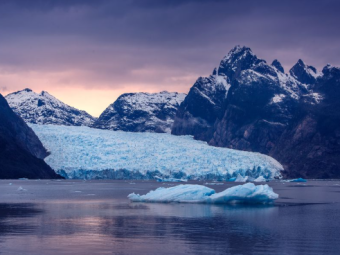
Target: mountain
point(21, 152)
point(44, 108)
point(141, 112)
point(292, 117)
point(90, 153)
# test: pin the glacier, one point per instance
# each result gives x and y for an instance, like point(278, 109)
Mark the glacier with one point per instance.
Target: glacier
point(246, 193)
point(88, 153)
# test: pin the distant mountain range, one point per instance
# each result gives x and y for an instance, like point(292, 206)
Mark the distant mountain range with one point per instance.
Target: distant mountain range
point(134, 112)
point(245, 104)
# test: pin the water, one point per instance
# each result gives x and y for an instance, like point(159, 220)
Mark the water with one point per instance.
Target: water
point(95, 217)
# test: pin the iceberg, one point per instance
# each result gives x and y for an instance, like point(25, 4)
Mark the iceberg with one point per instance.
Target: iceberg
point(89, 153)
point(189, 193)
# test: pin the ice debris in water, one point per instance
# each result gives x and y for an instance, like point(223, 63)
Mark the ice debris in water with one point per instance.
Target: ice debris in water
point(189, 193)
point(159, 179)
point(21, 189)
point(298, 180)
point(214, 183)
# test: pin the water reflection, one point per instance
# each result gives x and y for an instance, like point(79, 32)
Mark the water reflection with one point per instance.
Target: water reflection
point(116, 226)
point(13, 218)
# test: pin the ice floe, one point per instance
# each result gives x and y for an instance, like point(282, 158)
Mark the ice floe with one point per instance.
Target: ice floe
point(246, 193)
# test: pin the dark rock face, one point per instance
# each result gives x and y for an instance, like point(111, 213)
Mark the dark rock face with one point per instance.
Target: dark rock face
point(294, 117)
point(43, 109)
point(278, 66)
point(141, 112)
point(199, 110)
point(304, 73)
point(21, 152)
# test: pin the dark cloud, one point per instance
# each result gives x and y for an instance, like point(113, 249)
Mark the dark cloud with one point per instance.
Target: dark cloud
point(112, 43)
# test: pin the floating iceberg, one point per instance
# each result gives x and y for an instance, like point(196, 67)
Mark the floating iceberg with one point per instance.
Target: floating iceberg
point(246, 193)
point(88, 153)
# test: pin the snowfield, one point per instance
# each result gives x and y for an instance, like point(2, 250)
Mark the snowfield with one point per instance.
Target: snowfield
point(87, 153)
point(246, 193)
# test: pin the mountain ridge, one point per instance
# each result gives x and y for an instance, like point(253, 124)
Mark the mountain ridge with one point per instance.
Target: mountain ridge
point(272, 112)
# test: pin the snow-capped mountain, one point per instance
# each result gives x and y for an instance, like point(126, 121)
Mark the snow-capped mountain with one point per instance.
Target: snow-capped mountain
point(83, 152)
point(21, 152)
point(141, 112)
point(44, 108)
point(284, 115)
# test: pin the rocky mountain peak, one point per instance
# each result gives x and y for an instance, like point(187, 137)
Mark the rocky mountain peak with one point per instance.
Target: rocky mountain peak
point(141, 112)
point(304, 73)
point(278, 66)
point(238, 59)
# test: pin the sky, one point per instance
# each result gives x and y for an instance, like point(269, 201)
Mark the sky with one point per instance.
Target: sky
point(88, 52)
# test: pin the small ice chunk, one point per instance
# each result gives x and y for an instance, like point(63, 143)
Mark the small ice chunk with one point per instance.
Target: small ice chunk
point(21, 189)
point(240, 178)
point(10, 183)
point(159, 179)
point(298, 180)
point(232, 179)
point(260, 179)
point(246, 193)
point(213, 183)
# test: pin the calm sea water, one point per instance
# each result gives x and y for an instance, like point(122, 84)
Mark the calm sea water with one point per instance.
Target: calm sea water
point(95, 217)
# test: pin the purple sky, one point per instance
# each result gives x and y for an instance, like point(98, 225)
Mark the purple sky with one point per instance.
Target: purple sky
point(89, 52)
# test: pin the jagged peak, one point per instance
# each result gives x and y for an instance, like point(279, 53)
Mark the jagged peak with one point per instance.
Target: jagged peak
point(278, 66)
point(301, 64)
point(239, 50)
point(238, 59)
point(304, 73)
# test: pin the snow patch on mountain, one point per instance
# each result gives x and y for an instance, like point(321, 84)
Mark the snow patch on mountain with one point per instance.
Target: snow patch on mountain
point(44, 108)
point(82, 152)
point(141, 112)
point(278, 98)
